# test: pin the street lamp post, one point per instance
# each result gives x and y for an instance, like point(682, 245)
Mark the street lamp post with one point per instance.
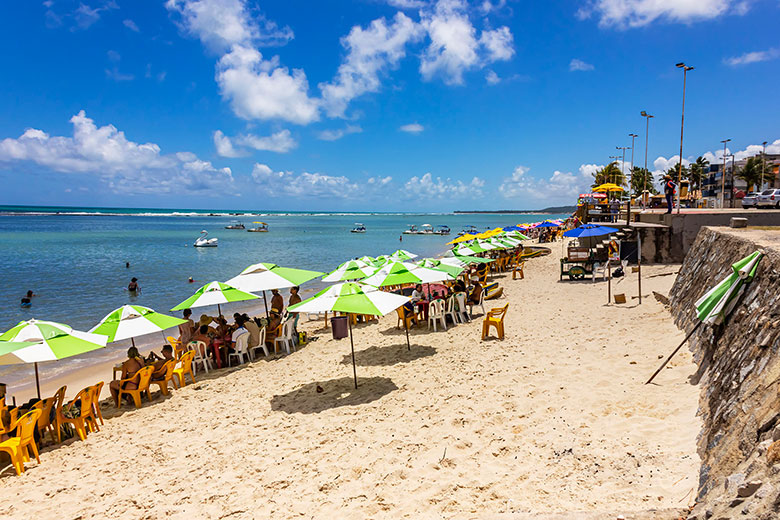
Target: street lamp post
point(647, 138)
point(623, 165)
point(723, 177)
point(685, 69)
point(631, 180)
point(763, 165)
point(613, 158)
point(731, 199)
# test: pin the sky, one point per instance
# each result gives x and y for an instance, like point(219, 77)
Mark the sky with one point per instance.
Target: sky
point(370, 105)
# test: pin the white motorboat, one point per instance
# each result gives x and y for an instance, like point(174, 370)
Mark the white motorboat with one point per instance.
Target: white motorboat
point(262, 228)
point(235, 224)
point(202, 241)
point(425, 229)
point(359, 228)
point(443, 230)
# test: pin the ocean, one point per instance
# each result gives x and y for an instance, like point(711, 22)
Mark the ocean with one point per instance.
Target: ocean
point(74, 259)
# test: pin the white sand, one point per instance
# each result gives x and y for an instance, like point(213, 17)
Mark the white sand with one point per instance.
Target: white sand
point(555, 418)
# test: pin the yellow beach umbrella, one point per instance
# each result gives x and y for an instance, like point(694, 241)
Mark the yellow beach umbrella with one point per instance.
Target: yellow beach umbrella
point(464, 238)
point(609, 186)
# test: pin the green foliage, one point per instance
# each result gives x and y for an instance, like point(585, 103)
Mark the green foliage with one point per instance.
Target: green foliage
point(696, 171)
point(751, 172)
point(640, 180)
point(609, 173)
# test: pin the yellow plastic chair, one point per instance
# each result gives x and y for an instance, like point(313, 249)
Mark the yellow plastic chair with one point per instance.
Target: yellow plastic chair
point(44, 421)
point(18, 447)
point(13, 419)
point(85, 421)
point(56, 427)
point(519, 271)
point(184, 368)
point(178, 348)
point(163, 376)
point(494, 318)
point(412, 318)
point(144, 376)
point(96, 390)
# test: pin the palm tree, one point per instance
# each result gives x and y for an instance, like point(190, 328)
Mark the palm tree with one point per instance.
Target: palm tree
point(751, 172)
point(640, 179)
point(609, 173)
point(696, 171)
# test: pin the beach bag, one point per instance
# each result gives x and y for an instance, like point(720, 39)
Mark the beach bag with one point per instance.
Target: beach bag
point(301, 338)
point(617, 273)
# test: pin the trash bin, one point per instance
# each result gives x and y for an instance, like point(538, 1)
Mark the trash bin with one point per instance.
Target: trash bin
point(339, 326)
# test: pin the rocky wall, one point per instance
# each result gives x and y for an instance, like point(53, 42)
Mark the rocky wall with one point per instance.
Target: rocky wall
point(739, 375)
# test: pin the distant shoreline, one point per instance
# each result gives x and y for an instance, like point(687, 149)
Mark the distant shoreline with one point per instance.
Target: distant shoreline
point(545, 211)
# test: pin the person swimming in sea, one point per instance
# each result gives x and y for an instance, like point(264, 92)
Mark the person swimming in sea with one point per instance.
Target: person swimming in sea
point(27, 299)
point(133, 286)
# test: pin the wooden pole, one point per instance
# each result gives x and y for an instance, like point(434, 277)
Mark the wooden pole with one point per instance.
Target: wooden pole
point(265, 304)
point(609, 281)
point(406, 327)
point(639, 263)
point(673, 353)
point(37, 381)
point(352, 345)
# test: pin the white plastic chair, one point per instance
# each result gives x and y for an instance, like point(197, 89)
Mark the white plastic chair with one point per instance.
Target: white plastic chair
point(450, 311)
point(286, 338)
point(199, 347)
point(481, 303)
point(599, 269)
point(436, 313)
point(253, 351)
point(242, 343)
point(461, 313)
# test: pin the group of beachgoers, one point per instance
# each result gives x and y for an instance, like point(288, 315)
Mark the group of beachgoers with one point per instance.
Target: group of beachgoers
point(214, 336)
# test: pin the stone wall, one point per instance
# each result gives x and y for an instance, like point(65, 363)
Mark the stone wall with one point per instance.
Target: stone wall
point(739, 374)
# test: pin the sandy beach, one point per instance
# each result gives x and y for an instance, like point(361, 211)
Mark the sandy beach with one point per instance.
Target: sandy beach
point(555, 419)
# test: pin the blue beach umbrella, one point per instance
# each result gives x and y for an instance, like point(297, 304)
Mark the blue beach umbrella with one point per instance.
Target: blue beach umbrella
point(547, 223)
point(589, 230)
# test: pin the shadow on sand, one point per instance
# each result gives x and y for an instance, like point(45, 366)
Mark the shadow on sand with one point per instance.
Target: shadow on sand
point(336, 393)
point(388, 356)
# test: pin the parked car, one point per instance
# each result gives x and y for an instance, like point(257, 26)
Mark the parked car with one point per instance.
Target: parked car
point(750, 200)
point(769, 198)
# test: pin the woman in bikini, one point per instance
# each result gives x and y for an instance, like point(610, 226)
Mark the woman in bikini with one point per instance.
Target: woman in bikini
point(130, 368)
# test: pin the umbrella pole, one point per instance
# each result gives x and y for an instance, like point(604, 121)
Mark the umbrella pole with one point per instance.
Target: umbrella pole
point(37, 381)
point(609, 281)
point(219, 310)
point(639, 264)
point(406, 328)
point(352, 345)
point(265, 304)
point(673, 353)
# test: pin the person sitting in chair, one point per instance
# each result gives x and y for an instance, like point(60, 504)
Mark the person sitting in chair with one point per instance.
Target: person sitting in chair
point(272, 329)
point(130, 368)
point(476, 292)
point(167, 355)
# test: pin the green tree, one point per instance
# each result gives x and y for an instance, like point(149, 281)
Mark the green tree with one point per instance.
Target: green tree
point(640, 179)
point(751, 172)
point(609, 173)
point(696, 171)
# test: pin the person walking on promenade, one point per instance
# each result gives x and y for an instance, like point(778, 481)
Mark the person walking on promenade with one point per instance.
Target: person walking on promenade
point(669, 188)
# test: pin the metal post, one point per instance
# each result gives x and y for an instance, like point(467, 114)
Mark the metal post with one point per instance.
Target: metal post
point(647, 139)
point(352, 345)
point(37, 381)
point(631, 180)
point(639, 263)
point(723, 177)
point(731, 199)
point(763, 166)
point(685, 68)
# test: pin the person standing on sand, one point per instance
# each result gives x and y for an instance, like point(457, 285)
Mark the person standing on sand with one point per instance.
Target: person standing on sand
point(277, 302)
point(669, 188)
point(187, 329)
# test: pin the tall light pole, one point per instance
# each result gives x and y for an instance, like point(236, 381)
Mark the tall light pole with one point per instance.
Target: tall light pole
point(613, 158)
point(763, 165)
point(631, 179)
point(685, 69)
point(647, 138)
point(723, 177)
point(623, 159)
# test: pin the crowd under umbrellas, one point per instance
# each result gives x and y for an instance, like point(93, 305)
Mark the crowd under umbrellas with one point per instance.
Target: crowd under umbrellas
point(36, 341)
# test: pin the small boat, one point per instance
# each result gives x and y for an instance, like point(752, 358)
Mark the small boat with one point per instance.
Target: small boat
point(427, 229)
point(443, 230)
point(359, 228)
point(412, 230)
point(202, 241)
point(262, 228)
point(468, 230)
point(235, 224)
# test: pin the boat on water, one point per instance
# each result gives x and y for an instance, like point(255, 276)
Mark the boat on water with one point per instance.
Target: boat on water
point(235, 224)
point(262, 227)
point(359, 228)
point(427, 229)
point(468, 230)
point(202, 241)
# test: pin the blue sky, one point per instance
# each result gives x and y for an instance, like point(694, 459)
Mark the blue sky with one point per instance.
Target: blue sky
point(367, 104)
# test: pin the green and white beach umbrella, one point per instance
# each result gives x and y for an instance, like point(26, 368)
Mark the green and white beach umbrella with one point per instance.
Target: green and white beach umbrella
point(402, 255)
point(350, 270)
point(40, 341)
point(452, 269)
point(468, 249)
point(351, 297)
point(381, 260)
point(516, 235)
point(214, 293)
point(131, 321)
point(368, 260)
point(267, 276)
point(464, 258)
point(718, 302)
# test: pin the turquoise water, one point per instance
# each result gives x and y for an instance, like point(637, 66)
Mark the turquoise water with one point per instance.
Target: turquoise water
point(75, 263)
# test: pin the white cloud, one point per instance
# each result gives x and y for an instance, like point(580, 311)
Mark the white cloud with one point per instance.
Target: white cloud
point(624, 14)
point(579, 65)
point(428, 187)
point(560, 186)
point(260, 89)
point(113, 72)
point(454, 47)
point(280, 142)
point(125, 166)
point(335, 135)
point(716, 157)
point(412, 128)
point(487, 6)
point(406, 4)
point(370, 52)
point(492, 78)
point(225, 148)
point(752, 57)
point(662, 164)
point(221, 24)
point(315, 185)
point(131, 25)
point(85, 16)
